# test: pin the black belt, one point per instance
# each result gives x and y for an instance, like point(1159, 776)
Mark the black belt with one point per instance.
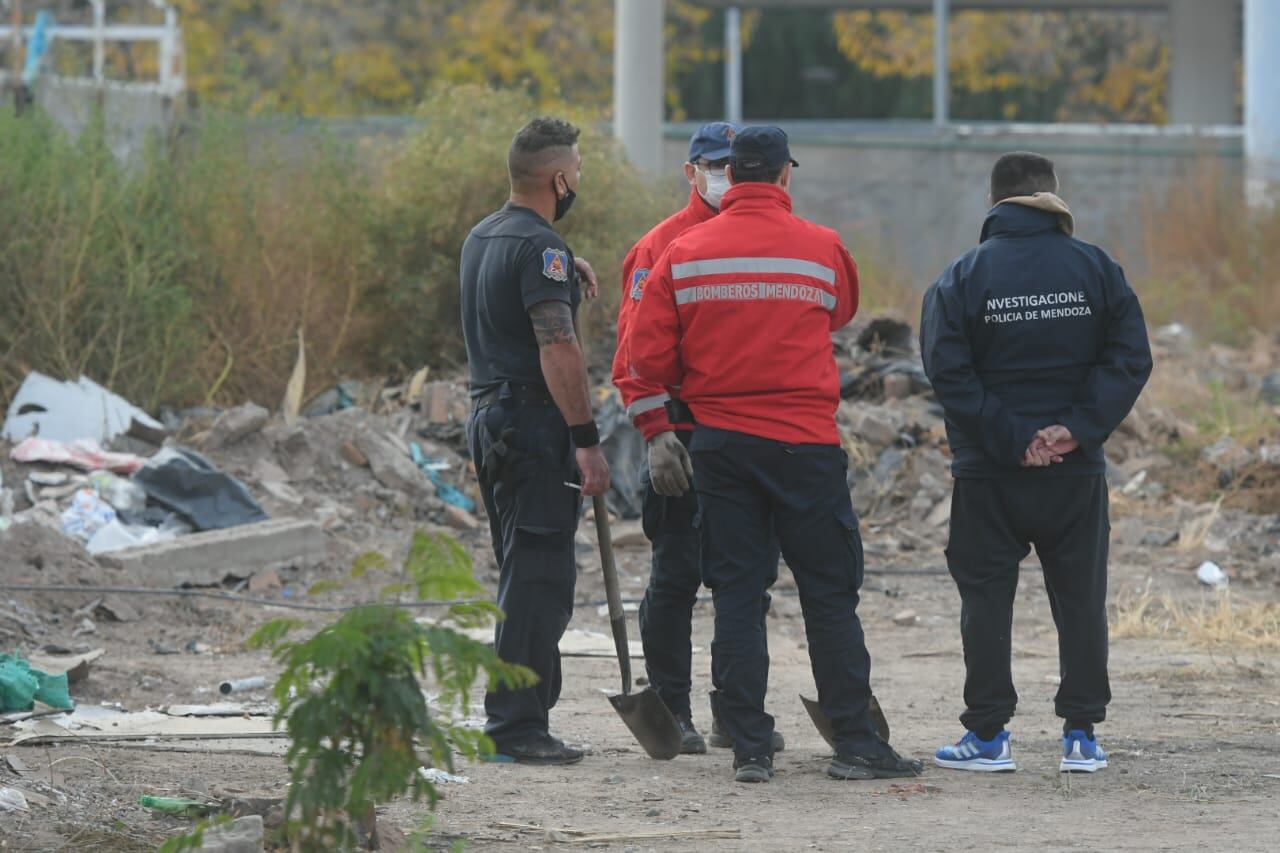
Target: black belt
point(525, 394)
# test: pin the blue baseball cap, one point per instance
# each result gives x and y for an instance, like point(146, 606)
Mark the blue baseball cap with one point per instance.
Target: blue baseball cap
point(712, 141)
point(760, 146)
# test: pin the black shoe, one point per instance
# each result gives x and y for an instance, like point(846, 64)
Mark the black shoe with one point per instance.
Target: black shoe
point(752, 769)
point(539, 749)
point(720, 739)
point(887, 765)
point(691, 742)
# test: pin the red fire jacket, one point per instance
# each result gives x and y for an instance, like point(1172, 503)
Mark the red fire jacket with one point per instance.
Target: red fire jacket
point(645, 400)
point(736, 317)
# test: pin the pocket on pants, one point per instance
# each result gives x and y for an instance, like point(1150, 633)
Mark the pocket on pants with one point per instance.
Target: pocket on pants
point(848, 521)
point(543, 504)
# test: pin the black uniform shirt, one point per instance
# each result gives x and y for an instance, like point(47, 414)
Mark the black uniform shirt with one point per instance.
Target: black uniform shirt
point(1031, 328)
point(511, 261)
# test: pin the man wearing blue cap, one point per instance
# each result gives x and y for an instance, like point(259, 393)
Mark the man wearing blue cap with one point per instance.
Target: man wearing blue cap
point(670, 503)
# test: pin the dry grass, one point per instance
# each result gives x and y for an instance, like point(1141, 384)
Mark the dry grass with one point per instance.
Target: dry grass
point(1213, 264)
point(1214, 623)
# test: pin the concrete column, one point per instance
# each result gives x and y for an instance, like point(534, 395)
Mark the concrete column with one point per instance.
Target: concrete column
point(1262, 101)
point(733, 65)
point(637, 81)
point(1202, 86)
point(941, 63)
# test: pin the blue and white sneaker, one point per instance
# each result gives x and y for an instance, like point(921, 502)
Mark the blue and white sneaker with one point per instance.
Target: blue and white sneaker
point(1081, 753)
point(974, 753)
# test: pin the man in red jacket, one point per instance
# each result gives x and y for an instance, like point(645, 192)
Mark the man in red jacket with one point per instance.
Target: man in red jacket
point(737, 316)
point(670, 503)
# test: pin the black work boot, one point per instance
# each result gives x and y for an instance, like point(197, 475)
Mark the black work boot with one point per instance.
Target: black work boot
point(691, 742)
point(540, 749)
point(886, 764)
point(720, 738)
point(752, 769)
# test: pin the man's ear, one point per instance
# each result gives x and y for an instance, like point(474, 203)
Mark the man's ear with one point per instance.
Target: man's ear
point(784, 180)
point(691, 174)
point(728, 173)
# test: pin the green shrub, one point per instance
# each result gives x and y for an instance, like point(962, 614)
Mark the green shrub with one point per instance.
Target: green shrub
point(442, 180)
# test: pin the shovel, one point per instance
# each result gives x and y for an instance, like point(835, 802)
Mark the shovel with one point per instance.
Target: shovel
point(644, 713)
point(822, 722)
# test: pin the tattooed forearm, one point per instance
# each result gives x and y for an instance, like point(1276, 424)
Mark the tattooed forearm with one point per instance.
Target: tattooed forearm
point(552, 323)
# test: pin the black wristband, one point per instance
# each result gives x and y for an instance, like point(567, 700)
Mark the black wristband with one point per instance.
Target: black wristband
point(585, 435)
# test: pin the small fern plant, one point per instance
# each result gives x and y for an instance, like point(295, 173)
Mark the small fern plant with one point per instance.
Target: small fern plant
point(351, 696)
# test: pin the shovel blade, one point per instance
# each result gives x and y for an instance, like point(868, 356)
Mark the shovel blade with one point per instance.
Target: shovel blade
point(822, 722)
point(650, 721)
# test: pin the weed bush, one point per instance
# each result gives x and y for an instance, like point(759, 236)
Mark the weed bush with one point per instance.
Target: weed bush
point(184, 276)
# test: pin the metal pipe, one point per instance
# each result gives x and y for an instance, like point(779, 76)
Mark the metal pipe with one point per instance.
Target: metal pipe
point(1262, 102)
point(733, 64)
point(99, 40)
point(941, 63)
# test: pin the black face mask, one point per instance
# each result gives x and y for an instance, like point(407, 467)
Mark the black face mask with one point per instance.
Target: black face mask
point(563, 204)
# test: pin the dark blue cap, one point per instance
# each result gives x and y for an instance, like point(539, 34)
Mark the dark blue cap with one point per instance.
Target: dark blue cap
point(760, 147)
point(712, 141)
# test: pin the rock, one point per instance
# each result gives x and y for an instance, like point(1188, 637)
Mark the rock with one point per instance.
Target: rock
point(352, 454)
point(897, 386)
point(243, 835)
point(906, 618)
point(392, 468)
point(234, 424)
point(889, 463)
point(1159, 538)
point(1128, 531)
point(459, 519)
point(294, 450)
point(874, 424)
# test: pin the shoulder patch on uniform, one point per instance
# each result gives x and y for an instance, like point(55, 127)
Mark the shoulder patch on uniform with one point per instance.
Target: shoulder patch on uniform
point(555, 264)
point(638, 279)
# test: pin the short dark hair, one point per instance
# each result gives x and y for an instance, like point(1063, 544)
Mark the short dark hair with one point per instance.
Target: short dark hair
point(534, 147)
point(1022, 173)
point(763, 175)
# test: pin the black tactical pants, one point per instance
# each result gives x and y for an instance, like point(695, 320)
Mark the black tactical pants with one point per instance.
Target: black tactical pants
point(523, 457)
point(748, 488)
point(994, 524)
point(666, 613)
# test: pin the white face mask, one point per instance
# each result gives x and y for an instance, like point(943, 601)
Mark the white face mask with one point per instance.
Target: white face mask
point(717, 185)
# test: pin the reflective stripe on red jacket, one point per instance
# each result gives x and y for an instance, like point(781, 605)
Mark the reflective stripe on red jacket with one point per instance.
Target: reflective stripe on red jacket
point(738, 313)
point(646, 400)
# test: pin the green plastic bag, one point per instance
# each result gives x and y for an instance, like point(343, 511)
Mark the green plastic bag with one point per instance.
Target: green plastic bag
point(21, 687)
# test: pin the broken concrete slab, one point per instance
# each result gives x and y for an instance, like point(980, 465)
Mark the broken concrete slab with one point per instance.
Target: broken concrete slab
point(243, 835)
point(208, 557)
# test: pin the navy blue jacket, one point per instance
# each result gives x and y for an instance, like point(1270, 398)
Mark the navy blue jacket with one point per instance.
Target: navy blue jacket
point(1031, 328)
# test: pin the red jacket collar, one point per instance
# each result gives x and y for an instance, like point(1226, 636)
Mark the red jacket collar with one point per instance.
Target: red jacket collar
point(755, 195)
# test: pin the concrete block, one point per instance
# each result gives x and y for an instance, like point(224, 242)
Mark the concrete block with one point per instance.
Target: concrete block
point(208, 557)
point(234, 424)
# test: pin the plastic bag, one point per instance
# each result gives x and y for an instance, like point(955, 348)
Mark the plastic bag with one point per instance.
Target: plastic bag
point(87, 514)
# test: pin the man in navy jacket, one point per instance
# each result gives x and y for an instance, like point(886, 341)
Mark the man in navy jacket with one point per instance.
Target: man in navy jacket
point(1037, 349)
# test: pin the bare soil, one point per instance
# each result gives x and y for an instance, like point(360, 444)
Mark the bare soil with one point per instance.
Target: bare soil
point(1193, 734)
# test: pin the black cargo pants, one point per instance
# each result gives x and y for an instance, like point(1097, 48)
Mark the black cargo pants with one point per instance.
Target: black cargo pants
point(749, 488)
point(994, 524)
point(523, 457)
point(666, 612)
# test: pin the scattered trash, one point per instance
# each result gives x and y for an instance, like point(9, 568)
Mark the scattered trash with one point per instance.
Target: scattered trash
point(75, 666)
point(177, 806)
point(116, 536)
point(1211, 574)
point(87, 515)
point(432, 467)
point(436, 776)
point(85, 454)
point(187, 483)
point(13, 800)
point(240, 685)
point(67, 411)
point(125, 496)
point(21, 686)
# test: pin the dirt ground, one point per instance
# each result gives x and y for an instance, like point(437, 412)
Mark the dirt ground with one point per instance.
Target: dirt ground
point(1194, 736)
